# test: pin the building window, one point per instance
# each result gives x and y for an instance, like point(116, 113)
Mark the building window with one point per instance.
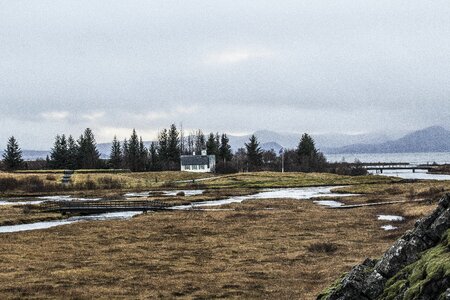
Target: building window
point(202, 167)
point(195, 167)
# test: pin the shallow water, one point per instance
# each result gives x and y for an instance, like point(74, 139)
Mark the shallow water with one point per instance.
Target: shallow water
point(66, 198)
point(329, 203)
point(166, 193)
point(389, 227)
point(287, 193)
point(19, 202)
point(390, 218)
point(39, 200)
point(49, 224)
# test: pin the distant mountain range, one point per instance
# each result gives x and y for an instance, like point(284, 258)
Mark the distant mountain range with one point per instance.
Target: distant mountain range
point(431, 139)
point(274, 140)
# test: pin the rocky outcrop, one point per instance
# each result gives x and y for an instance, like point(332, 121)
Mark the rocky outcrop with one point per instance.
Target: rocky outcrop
point(417, 264)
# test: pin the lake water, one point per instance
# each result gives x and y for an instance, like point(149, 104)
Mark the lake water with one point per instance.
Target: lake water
point(413, 158)
point(408, 174)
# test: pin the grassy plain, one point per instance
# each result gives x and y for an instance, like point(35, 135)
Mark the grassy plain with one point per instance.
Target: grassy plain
point(274, 248)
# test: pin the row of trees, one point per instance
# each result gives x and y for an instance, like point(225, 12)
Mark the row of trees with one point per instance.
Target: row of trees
point(306, 158)
point(164, 154)
point(70, 154)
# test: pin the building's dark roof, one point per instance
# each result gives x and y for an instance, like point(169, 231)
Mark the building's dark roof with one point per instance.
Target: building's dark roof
point(187, 160)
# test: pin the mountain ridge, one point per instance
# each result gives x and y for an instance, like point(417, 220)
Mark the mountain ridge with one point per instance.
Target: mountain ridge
point(430, 139)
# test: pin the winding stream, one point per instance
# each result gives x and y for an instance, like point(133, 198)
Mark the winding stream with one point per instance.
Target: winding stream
point(284, 193)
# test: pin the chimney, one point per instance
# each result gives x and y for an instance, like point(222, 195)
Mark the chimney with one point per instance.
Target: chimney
point(193, 153)
point(203, 152)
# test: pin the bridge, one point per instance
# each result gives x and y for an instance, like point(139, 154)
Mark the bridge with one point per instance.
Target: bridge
point(381, 166)
point(94, 207)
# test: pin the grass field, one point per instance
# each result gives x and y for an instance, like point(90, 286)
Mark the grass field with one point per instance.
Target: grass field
point(12, 184)
point(274, 248)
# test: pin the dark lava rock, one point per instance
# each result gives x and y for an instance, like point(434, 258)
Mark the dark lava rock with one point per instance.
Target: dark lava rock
point(367, 281)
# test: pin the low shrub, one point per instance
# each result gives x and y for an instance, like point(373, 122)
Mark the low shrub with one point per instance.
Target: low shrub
point(325, 247)
point(432, 193)
point(27, 184)
point(8, 184)
point(89, 184)
point(109, 183)
point(222, 168)
point(50, 177)
point(33, 184)
point(393, 191)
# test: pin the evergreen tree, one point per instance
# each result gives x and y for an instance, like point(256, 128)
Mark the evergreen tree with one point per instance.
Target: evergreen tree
point(153, 157)
point(225, 154)
point(72, 153)
point(59, 153)
point(309, 158)
point(163, 146)
point(143, 156)
point(88, 155)
point(115, 158)
point(254, 154)
point(12, 156)
point(173, 148)
point(307, 146)
point(125, 155)
point(134, 154)
point(212, 145)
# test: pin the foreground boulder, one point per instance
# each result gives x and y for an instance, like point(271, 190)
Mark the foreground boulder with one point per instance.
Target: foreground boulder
point(417, 266)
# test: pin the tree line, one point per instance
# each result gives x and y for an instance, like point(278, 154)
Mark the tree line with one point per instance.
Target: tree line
point(164, 154)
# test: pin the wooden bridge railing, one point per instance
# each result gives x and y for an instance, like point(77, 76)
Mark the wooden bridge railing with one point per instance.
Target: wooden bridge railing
point(103, 206)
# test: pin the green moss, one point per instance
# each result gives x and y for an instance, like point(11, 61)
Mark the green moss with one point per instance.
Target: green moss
point(335, 286)
point(433, 265)
point(394, 289)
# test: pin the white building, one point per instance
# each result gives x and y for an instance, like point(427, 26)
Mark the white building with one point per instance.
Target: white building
point(198, 163)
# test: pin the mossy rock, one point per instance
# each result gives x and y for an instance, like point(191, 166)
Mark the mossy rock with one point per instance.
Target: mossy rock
point(427, 278)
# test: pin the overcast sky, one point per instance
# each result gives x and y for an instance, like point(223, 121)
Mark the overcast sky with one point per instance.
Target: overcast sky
point(233, 66)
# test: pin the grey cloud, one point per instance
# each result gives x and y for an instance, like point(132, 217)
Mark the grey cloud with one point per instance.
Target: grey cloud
point(317, 66)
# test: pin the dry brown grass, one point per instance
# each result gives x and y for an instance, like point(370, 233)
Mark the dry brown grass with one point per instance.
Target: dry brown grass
point(250, 252)
point(278, 249)
point(12, 215)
